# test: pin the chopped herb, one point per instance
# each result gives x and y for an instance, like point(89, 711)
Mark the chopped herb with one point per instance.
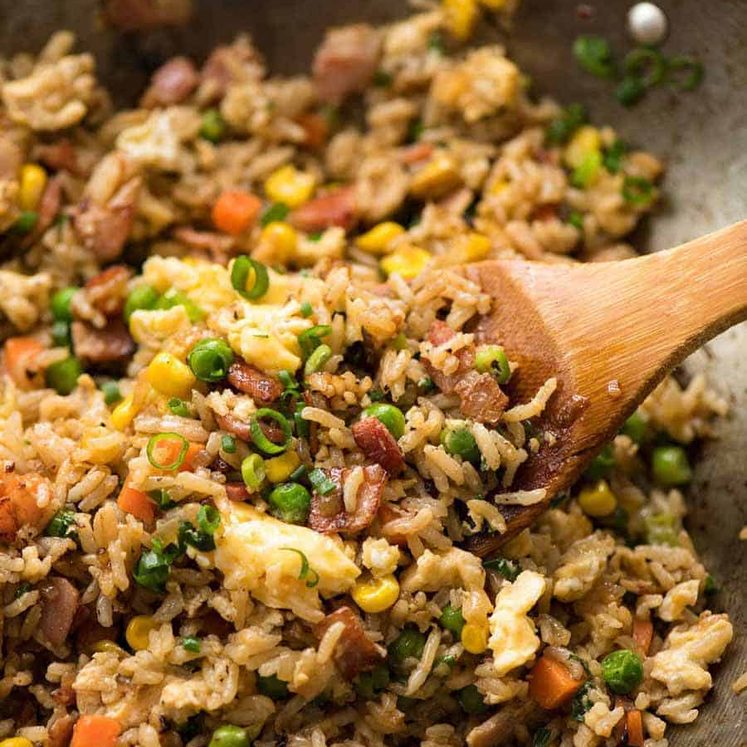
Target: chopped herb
point(321, 483)
point(541, 737)
point(637, 191)
point(684, 73)
point(272, 687)
point(179, 407)
point(576, 219)
point(154, 565)
point(612, 156)
point(190, 536)
point(307, 573)
point(376, 395)
point(382, 79)
point(23, 588)
point(507, 568)
point(228, 444)
point(630, 90)
point(581, 702)
point(314, 236)
point(276, 212)
point(561, 129)
point(415, 130)
point(162, 499)
point(62, 524)
point(192, 644)
point(594, 54)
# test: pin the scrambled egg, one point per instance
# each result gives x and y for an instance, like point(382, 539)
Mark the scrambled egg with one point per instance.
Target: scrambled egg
point(512, 638)
point(151, 328)
point(256, 553)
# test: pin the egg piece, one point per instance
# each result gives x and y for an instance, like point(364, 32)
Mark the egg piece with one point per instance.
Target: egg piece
point(513, 639)
point(647, 23)
point(263, 556)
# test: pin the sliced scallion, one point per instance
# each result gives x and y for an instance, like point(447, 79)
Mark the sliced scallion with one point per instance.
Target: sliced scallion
point(258, 435)
point(243, 267)
point(307, 573)
point(167, 451)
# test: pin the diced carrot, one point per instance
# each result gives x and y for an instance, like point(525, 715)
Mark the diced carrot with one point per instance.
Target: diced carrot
point(137, 503)
point(643, 633)
point(95, 731)
point(235, 211)
point(19, 357)
point(189, 459)
point(169, 450)
point(551, 684)
point(634, 728)
point(316, 128)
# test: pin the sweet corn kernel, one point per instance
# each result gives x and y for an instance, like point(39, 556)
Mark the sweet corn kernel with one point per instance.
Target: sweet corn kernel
point(598, 500)
point(439, 176)
point(17, 742)
point(409, 261)
point(379, 237)
point(138, 630)
point(124, 413)
point(376, 594)
point(476, 247)
point(290, 186)
point(461, 17)
point(169, 376)
point(280, 468)
point(33, 182)
point(474, 638)
point(586, 141)
point(280, 239)
point(498, 186)
point(108, 647)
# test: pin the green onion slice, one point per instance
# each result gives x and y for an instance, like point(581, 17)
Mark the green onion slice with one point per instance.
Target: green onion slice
point(167, 451)
point(307, 573)
point(637, 191)
point(594, 54)
point(208, 519)
point(321, 483)
point(179, 407)
point(685, 73)
point(309, 338)
point(258, 436)
point(228, 444)
point(253, 471)
point(317, 359)
point(243, 267)
point(276, 212)
point(646, 64)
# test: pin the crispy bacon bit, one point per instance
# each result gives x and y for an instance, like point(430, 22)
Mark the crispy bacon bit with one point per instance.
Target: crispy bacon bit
point(346, 61)
point(233, 425)
point(112, 344)
point(59, 156)
point(316, 129)
point(335, 518)
point(61, 731)
point(237, 491)
point(545, 212)
point(19, 503)
point(58, 609)
point(107, 291)
point(374, 440)
point(355, 651)
point(141, 15)
point(262, 388)
point(481, 397)
point(217, 245)
point(171, 83)
point(336, 208)
point(104, 229)
point(49, 206)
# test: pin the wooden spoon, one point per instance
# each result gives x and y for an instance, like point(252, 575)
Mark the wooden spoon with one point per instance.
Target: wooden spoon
point(609, 332)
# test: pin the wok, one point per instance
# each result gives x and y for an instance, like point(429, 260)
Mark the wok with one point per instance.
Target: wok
point(702, 135)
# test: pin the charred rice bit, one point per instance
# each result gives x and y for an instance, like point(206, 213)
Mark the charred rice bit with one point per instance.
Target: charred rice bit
point(237, 481)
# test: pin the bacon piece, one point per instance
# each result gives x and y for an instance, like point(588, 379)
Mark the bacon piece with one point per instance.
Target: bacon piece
point(316, 128)
point(415, 153)
point(355, 651)
point(19, 503)
point(61, 731)
point(373, 438)
point(327, 512)
point(346, 61)
point(262, 388)
point(107, 291)
point(58, 609)
point(228, 64)
point(112, 344)
point(241, 430)
point(481, 397)
point(49, 206)
point(336, 208)
point(141, 15)
point(217, 245)
point(171, 83)
point(237, 491)
point(59, 156)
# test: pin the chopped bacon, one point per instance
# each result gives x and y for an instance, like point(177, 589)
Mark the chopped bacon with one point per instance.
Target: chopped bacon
point(104, 229)
point(217, 245)
point(233, 425)
point(141, 15)
point(481, 397)
point(49, 206)
point(107, 291)
point(237, 491)
point(415, 153)
point(335, 518)
point(59, 156)
point(316, 128)
point(262, 388)
point(545, 212)
point(19, 503)
point(346, 61)
point(336, 208)
point(112, 344)
point(61, 731)
point(171, 83)
point(373, 438)
point(225, 65)
point(60, 601)
point(355, 651)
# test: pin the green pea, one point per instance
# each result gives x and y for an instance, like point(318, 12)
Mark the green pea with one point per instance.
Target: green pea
point(62, 524)
point(213, 126)
point(602, 464)
point(408, 644)
point(635, 428)
point(192, 644)
point(388, 415)
point(61, 334)
point(622, 671)
point(670, 466)
point(175, 298)
point(471, 700)
point(63, 375)
point(661, 529)
point(110, 390)
point(460, 442)
point(290, 502)
point(273, 687)
point(493, 359)
point(229, 736)
point(210, 359)
point(142, 297)
point(61, 304)
point(452, 619)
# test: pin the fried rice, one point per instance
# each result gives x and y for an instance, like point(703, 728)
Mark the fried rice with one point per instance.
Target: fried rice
point(244, 438)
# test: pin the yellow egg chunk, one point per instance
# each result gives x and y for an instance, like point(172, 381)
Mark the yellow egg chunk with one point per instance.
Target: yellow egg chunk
point(260, 554)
